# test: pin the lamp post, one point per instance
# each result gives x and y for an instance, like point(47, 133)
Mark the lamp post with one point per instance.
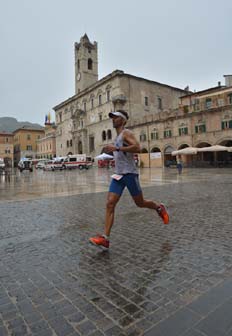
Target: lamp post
point(148, 146)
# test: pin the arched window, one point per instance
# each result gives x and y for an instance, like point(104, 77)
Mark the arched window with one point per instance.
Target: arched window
point(109, 134)
point(103, 135)
point(100, 99)
point(90, 64)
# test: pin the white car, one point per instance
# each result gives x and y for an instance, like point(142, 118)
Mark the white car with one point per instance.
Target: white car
point(41, 163)
point(48, 165)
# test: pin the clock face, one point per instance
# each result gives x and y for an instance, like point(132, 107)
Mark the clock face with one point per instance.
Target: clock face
point(78, 76)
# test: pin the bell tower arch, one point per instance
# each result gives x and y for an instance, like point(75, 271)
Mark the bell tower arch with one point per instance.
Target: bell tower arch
point(86, 63)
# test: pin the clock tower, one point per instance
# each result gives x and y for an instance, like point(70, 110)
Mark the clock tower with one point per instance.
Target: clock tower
point(86, 64)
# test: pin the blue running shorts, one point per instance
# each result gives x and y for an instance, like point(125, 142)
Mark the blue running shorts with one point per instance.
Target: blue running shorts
point(131, 181)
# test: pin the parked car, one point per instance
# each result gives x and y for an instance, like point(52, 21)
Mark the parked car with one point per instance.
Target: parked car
point(41, 163)
point(55, 164)
point(48, 165)
point(25, 164)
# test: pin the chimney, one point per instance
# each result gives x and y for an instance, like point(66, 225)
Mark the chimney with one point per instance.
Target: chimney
point(219, 84)
point(228, 80)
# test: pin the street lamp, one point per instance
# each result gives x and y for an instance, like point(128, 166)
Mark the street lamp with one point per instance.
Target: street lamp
point(148, 146)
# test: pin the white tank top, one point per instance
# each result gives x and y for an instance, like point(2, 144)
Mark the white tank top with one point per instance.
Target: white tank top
point(124, 161)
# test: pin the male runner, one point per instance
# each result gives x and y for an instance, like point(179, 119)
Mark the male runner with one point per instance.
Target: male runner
point(124, 147)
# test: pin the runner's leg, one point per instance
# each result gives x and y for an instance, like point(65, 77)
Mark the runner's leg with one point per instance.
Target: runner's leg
point(112, 200)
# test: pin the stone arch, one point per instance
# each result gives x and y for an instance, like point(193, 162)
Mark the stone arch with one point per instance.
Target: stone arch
point(205, 158)
point(144, 150)
point(225, 158)
point(225, 142)
point(155, 150)
point(168, 158)
point(182, 146)
point(203, 144)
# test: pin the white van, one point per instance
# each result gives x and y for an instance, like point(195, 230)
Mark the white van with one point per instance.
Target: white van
point(80, 161)
point(25, 164)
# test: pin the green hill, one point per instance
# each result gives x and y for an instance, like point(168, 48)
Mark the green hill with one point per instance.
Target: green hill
point(9, 124)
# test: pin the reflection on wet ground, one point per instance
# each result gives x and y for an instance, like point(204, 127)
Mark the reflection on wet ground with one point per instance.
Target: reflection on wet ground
point(52, 282)
point(39, 184)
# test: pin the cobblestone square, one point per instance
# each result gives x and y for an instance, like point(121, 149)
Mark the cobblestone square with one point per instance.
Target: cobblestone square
point(155, 279)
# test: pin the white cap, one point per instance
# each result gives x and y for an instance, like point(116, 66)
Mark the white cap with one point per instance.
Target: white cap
point(117, 114)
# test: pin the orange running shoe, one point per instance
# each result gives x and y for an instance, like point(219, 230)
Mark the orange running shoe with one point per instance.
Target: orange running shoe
point(162, 212)
point(100, 241)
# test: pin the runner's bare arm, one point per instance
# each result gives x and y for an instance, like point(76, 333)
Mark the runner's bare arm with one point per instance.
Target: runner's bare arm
point(133, 145)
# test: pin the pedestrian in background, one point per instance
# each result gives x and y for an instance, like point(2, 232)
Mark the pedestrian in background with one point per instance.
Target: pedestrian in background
point(179, 164)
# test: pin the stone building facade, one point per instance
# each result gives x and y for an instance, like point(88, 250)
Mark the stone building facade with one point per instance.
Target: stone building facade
point(83, 125)
point(25, 142)
point(163, 118)
point(7, 148)
point(203, 119)
point(46, 145)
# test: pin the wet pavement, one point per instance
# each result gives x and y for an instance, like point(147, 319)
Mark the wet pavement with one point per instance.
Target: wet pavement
point(173, 280)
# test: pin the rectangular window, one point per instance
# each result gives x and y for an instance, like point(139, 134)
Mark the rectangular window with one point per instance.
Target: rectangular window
point(92, 103)
point(186, 108)
point(100, 99)
point(29, 147)
point(108, 95)
point(100, 116)
point(85, 107)
point(200, 128)
point(226, 124)
point(60, 116)
point(208, 103)
point(160, 104)
point(91, 144)
point(230, 98)
point(220, 102)
point(154, 136)
point(143, 137)
point(7, 140)
point(28, 137)
point(167, 134)
point(183, 131)
point(146, 101)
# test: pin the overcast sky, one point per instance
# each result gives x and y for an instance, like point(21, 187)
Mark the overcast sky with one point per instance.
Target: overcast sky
point(176, 42)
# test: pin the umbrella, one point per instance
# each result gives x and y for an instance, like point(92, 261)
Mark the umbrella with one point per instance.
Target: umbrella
point(216, 148)
point(185, 151)
point(104, 156)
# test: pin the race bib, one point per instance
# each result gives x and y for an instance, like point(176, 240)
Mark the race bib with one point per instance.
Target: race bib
point(117, 177)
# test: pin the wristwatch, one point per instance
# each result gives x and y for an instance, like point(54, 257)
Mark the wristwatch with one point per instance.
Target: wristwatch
point(117, 148)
